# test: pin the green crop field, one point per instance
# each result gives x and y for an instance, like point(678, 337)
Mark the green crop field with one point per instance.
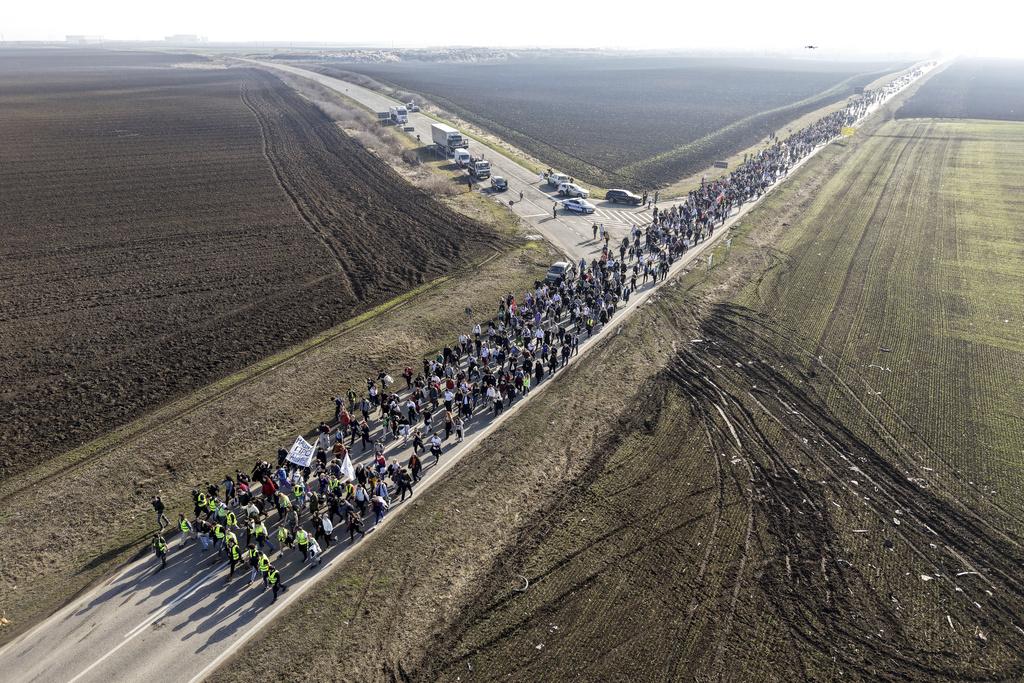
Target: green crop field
point(913, 258)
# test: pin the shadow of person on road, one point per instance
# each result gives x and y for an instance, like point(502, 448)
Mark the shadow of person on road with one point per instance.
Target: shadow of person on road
point(127, 581)
point(181, 570)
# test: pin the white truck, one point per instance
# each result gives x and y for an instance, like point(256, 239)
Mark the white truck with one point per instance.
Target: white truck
point(399, 115)
point(479, 169)
point(447, 138)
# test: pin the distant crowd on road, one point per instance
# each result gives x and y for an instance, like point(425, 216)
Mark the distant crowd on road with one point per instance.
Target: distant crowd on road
point(695, 218)
point(470, 382)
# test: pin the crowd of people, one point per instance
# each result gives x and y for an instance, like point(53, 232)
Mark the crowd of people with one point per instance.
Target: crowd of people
point(694, 219)
point(470, 382)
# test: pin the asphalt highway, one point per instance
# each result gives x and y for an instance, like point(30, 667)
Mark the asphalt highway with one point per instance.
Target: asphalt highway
point(570, 232)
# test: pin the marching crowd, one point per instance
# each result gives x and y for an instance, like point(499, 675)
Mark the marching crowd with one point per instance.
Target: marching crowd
point(284, 506)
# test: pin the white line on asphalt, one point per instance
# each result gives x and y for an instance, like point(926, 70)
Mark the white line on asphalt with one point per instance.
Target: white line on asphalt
point(141, 627)
point(188, 591)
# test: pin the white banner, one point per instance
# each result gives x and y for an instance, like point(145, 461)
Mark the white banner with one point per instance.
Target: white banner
point(301, 452)
point(347, 469)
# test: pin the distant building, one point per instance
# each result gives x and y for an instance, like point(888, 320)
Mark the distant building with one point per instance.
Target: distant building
point(189, 38)
point(84, 40)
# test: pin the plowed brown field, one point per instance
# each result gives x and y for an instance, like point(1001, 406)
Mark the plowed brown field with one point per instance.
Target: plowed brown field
point(165, 225)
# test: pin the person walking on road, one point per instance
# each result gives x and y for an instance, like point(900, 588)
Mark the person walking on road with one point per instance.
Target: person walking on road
point(285, 538)
point(302, 541)
point(404, 483)
point(355, 524)
point(160, 550)
point(234, 557)
point(274, 579)
point(186, 529)
point(414, 467)
point(253, 556)
point(554, 210)
point(263, 565)
point(259, 531)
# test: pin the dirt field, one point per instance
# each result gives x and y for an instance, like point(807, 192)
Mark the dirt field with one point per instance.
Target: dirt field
point(168, 225)
point(972, 89)
point(636, 122)
point(747, 489)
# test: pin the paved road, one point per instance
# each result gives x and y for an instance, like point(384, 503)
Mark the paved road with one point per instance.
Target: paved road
point(179, 623)
point(570, 232)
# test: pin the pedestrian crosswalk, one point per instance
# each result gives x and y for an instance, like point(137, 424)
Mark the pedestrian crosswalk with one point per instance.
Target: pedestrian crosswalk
point(622, 218)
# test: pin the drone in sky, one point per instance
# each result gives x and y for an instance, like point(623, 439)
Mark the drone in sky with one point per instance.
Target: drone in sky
point(810, 47)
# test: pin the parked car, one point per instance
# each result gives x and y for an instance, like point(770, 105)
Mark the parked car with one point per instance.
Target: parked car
point(556, 179)
point(624, 196)
point(572, 190)
point(498, 183)
point(558, 270)
point(580, 205)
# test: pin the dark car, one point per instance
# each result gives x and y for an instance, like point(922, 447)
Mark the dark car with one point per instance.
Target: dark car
point(498, 184)
point(558, 271)
point(624, 196)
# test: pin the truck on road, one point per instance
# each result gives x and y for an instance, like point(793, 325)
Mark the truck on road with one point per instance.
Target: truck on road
point(447, 138)
point(479, 169)
point(399, 115)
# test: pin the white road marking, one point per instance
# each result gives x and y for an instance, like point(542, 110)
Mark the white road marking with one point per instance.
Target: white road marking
point(188, 591)
point(131, 635)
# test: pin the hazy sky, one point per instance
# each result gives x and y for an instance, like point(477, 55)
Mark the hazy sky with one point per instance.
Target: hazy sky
point(864, 26)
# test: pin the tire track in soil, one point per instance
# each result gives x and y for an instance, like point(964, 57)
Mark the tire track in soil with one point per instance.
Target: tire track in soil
point(247, 84)
point(969, 537)
point(869, 228)
point(709, 544)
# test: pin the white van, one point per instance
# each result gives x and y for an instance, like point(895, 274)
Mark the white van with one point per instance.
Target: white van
point(461, 157)
point(556, 179)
